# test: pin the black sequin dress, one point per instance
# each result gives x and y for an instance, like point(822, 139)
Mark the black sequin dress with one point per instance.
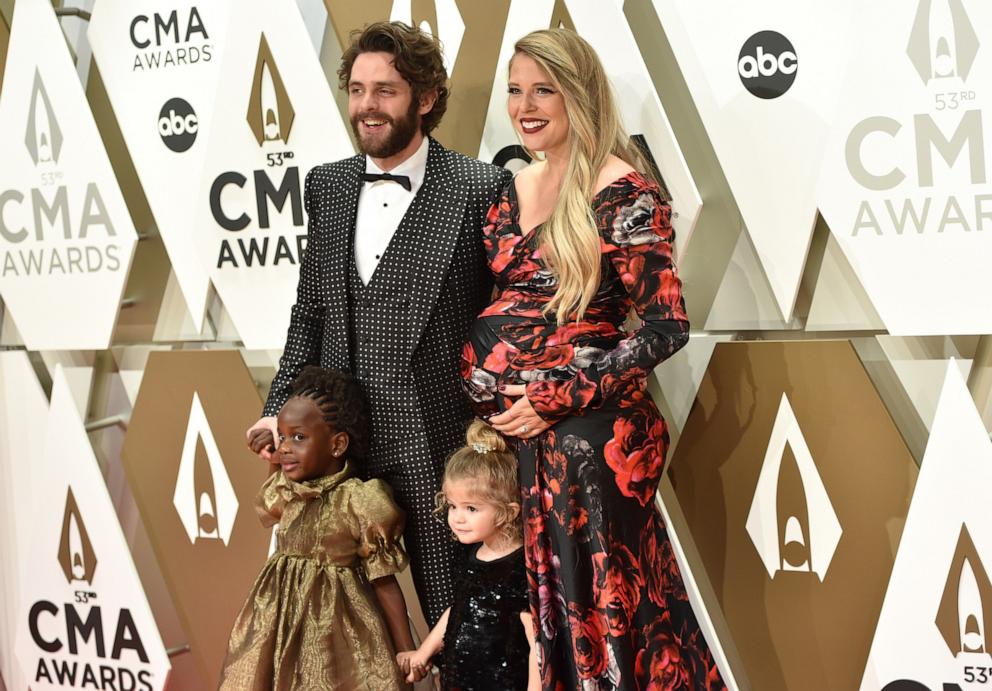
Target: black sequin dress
point(485, 646)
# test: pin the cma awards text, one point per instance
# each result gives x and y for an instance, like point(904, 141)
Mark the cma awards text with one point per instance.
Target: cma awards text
point(158, 29)
point(48, 257)
point(61, 667)
point(254, 251)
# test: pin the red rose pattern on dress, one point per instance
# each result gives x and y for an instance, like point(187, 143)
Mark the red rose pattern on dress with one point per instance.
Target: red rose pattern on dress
point(608, 601)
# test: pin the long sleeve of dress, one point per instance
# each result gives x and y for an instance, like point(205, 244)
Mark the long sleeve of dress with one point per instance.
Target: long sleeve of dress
point(636, 237)
point(306, 320)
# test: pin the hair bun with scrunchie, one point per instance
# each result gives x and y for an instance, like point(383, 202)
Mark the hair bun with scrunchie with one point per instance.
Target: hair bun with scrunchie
point(484, 439)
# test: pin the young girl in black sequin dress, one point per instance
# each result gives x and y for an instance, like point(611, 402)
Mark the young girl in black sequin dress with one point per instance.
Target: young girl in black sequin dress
point(486, 637)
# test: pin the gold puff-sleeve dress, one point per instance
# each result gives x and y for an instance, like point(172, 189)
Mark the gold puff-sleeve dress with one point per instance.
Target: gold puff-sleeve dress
point(312, 620)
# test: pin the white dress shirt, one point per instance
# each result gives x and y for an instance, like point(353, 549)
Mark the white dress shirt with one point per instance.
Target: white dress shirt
point(381, 206)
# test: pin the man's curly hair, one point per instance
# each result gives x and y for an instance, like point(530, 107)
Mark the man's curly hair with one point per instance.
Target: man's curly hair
point(340, 401)
point(416, 56)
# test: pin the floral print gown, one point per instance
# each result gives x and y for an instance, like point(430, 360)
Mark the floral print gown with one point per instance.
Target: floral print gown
point(604, 587)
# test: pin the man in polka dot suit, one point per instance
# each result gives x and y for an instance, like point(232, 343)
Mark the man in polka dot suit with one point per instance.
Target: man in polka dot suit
point(393, 275)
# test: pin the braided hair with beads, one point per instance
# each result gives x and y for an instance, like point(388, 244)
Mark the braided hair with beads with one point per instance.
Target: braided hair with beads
point(340, 401)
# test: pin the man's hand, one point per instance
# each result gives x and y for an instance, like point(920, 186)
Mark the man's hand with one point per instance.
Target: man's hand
point(262, 437)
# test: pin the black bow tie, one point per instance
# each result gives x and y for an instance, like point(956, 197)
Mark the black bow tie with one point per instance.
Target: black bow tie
point(402, 180)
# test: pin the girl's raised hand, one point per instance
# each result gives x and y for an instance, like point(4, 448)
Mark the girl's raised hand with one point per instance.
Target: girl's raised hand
point(262, 437)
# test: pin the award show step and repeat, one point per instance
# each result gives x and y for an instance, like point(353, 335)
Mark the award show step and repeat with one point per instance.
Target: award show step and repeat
point(828, 164)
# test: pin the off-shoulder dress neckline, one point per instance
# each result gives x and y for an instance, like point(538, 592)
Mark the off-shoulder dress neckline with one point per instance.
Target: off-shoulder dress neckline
point(633, 176)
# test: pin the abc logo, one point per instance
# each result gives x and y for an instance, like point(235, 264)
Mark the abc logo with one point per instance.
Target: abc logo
point(177, 125)
point(767, 64)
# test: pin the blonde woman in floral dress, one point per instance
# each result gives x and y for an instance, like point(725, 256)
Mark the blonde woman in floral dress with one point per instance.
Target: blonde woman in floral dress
point(576, 241)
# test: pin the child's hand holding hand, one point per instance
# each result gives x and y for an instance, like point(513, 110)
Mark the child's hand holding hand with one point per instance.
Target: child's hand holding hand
point(414, 664)
point(262, 438)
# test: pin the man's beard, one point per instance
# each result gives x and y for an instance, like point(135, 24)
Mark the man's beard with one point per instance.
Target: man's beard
point(401, 132)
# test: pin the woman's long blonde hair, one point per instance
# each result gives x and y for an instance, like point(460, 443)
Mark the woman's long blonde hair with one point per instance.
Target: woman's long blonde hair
point(569, 238)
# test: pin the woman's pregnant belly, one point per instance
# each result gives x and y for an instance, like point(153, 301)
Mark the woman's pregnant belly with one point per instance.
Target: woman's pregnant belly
point(518, 350)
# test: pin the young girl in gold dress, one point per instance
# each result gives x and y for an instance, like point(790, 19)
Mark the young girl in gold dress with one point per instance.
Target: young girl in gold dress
point(326, 611)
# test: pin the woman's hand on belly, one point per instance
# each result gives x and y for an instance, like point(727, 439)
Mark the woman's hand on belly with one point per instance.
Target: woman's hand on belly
point(519, 420)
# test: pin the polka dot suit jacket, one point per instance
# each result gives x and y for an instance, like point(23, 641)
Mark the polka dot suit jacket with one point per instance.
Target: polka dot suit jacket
point(419, 412)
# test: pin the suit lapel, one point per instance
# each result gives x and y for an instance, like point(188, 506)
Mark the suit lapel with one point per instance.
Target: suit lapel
point(341, 245)
point(435, 219)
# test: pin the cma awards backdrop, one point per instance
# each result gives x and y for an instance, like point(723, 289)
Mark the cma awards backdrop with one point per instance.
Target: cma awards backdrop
point(828, 166)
